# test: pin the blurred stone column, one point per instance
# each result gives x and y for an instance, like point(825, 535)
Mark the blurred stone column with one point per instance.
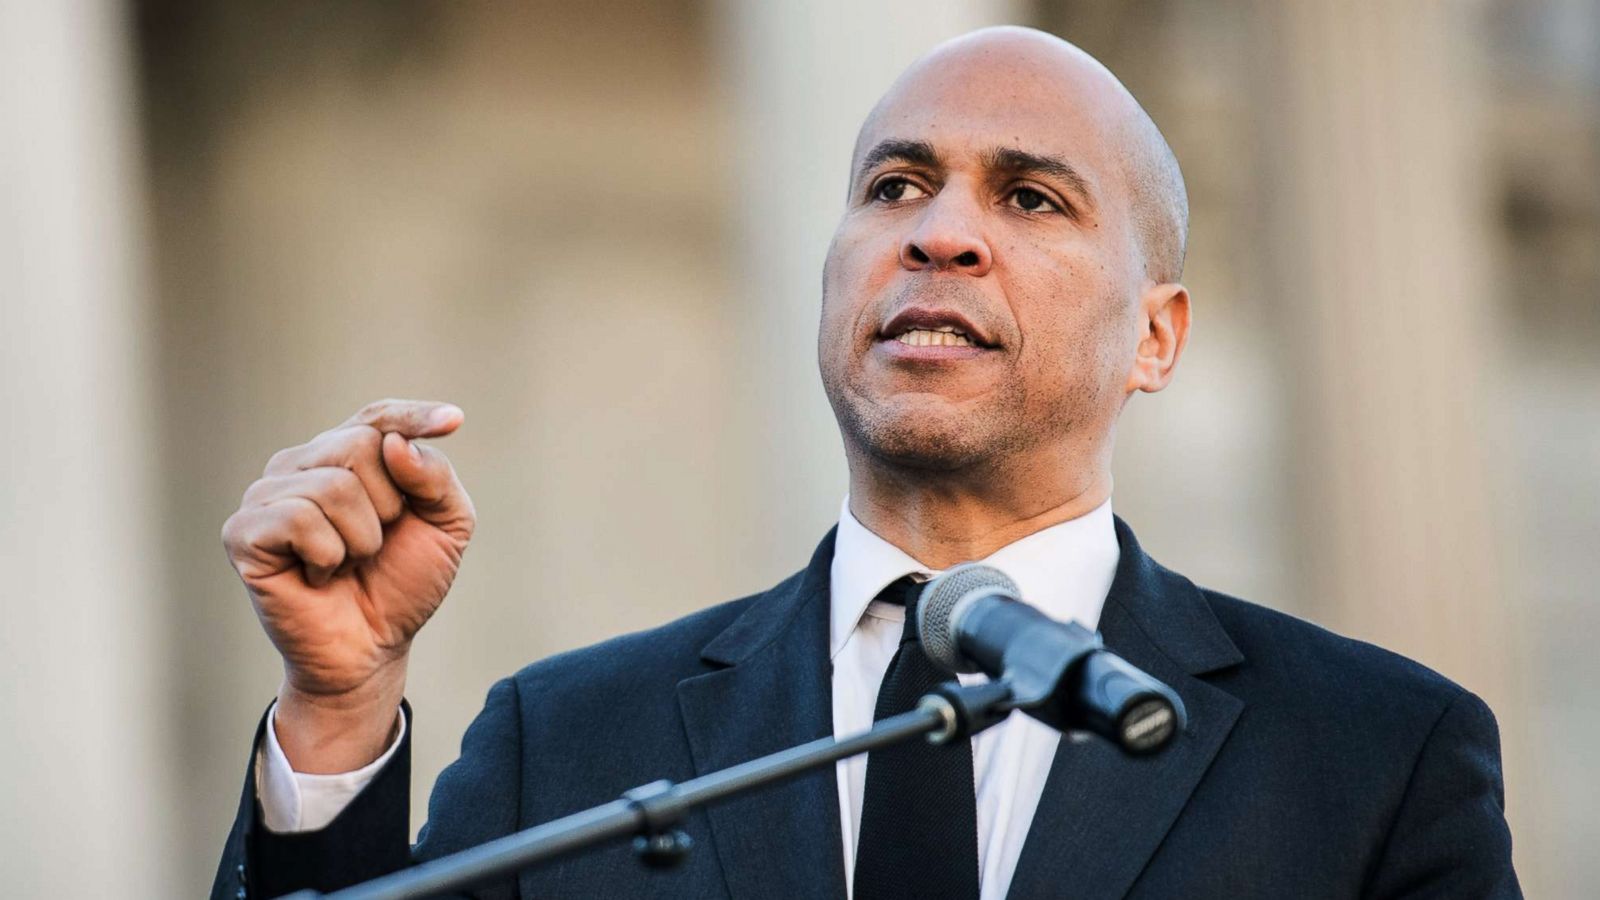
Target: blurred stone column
point(801, 76)
point(1384, 329)
point(87, 809)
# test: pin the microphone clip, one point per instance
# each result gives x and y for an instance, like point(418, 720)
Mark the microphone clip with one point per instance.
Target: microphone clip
point(660, 843)
point(967, 708)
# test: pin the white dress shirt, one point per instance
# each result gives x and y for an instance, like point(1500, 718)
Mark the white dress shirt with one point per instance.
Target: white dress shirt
point(1064, 570)
point(294, 801)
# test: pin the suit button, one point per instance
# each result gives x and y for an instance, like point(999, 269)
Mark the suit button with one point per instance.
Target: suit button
point(240, 871)
point(242, 894)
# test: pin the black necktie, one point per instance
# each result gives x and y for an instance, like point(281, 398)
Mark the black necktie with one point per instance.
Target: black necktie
point(919, 812)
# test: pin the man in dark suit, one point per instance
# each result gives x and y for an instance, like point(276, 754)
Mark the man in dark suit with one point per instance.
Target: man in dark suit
point(1004, 278)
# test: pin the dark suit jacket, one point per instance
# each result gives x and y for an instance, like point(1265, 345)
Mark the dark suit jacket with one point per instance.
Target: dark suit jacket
point(1312, 766)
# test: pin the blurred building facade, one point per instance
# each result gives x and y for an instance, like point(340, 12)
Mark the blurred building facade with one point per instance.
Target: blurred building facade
point(599, 229)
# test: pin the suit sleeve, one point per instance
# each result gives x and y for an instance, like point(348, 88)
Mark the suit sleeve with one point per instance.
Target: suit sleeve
point(476, 799)
point(1449, 838)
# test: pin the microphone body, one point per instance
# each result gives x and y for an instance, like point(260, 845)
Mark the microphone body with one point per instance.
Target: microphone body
point(1058, 672)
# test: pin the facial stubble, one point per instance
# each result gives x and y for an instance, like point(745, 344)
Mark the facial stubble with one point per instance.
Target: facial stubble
point(921, 434)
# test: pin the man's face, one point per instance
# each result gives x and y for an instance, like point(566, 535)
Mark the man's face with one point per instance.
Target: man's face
point(980, 294)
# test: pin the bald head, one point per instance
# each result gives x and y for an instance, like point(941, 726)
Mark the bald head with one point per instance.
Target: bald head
point(1003, 277)
point(1024, 74)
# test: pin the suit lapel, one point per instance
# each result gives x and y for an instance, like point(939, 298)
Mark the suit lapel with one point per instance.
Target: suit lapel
point(1102, 814)
point(775, 692)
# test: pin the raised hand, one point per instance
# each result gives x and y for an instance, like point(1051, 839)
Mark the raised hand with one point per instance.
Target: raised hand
point(347, 544)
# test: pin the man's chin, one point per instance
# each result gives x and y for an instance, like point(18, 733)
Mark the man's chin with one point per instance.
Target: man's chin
point(922, 431)
point(924, 443)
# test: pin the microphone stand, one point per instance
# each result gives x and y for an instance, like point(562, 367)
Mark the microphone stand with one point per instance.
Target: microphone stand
point(651, 813)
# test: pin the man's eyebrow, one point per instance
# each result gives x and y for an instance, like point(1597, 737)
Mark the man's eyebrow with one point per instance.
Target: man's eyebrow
point(1020, 162)
point(918, 153)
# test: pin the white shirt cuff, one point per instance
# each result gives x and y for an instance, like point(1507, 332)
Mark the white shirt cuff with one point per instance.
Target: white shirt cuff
point(295, 801)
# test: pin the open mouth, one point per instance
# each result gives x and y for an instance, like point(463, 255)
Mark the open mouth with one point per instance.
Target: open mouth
point(946, 336)
point(922, 327)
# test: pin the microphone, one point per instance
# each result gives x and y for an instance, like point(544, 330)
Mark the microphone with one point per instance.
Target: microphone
point(970, 619)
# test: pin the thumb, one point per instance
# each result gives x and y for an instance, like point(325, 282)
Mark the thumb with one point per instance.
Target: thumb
point(429, 482)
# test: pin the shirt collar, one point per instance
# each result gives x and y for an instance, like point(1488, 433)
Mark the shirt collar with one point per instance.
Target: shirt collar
point(1064, 570)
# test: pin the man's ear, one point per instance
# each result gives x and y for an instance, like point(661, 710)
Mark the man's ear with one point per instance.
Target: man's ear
point(1163, 332)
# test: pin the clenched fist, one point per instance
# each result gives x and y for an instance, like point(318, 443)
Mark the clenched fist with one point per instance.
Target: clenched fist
point(347, 544)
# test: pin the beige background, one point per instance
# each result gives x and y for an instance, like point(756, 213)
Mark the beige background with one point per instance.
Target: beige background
point(599, 229)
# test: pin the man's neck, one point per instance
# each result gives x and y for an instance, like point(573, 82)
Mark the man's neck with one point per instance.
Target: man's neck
point(942, 522)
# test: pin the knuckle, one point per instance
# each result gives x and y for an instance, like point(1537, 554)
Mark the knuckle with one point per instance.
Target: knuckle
point(254, 493)
point(347, 445)
point(281, 460)
point(230, 532)
point(388, 504)
point(327, 546)
point(303, 516)
point(318, 542)
point(381, 412)
point(323, 554)
point(363, 442)
point(373, 410)
point(343, 484)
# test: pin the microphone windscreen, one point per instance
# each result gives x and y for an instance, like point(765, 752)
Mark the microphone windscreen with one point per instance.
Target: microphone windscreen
point(938, 604)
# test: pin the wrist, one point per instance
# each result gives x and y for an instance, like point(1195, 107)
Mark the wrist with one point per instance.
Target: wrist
point(323, 734)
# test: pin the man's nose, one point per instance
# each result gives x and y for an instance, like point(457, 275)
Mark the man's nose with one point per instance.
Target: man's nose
point(947, 237)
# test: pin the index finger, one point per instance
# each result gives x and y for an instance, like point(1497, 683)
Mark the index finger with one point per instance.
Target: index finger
point(409, 418)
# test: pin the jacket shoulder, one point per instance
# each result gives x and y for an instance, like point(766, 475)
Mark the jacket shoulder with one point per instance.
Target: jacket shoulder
point(1387, 761)
point(1288, 658)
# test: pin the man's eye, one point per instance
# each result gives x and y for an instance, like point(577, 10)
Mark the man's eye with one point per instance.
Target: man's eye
point(895, 189)
point(1031, 200)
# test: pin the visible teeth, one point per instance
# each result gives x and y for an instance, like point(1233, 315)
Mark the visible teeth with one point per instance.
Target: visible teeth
point(944, 336)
